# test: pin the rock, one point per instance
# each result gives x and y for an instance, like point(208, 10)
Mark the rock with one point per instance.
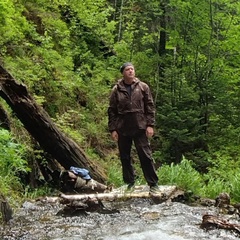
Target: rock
point(5, 209)
point(222, 200)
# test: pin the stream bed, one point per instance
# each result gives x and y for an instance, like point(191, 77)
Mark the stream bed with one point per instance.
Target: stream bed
point(134, 219)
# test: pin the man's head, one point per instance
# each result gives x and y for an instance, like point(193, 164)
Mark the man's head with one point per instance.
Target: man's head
point(125, 65)
point(128, 72)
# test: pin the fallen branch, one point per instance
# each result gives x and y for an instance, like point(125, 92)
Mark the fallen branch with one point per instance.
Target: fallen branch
point(211, 222)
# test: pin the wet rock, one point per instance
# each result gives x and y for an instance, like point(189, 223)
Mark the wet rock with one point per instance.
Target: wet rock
point(207, 202)
point(5, 209)
point(222, 200)
point(150, 215)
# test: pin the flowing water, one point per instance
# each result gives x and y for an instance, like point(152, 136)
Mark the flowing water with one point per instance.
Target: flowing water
point(135, 219)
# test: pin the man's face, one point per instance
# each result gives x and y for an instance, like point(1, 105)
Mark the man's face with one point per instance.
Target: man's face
point(129, 72)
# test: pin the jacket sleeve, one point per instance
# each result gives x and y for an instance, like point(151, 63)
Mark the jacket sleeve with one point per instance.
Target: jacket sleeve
point(112, 111)
point(149, 107)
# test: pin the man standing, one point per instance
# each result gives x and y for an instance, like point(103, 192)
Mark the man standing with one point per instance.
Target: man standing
point(131, 118)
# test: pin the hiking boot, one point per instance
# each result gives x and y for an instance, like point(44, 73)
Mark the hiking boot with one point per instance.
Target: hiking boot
point(130, 187)
point(154, 189)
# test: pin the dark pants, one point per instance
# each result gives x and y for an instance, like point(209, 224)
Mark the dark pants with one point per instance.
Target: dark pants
point(144, 153)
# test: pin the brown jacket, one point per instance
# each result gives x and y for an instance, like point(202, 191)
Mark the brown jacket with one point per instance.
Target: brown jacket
point(128, 113)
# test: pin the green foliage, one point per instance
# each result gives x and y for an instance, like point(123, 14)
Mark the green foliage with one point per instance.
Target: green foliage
point(114, 171)
point(213, 187)
point(12, 155)
point(234, 186)
point(222, 177)
point(12, 164)
point(13, 25)
point(68, 53)
point(182, 175)
point(222, 167)
point(71, 122)
point(30, 193)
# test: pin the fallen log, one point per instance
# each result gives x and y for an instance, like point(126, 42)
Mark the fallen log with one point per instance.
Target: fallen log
point(81, 203)
point(210, 222)
point(165, 193)
point(41, 127)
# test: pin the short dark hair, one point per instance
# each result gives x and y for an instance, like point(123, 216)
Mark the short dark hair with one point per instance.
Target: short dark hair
point(125, 65)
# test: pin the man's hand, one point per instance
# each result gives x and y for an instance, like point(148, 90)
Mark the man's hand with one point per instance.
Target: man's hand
point(149, 132)
point(114, 135)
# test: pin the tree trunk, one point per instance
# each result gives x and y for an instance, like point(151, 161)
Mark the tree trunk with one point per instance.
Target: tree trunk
point(39, 124)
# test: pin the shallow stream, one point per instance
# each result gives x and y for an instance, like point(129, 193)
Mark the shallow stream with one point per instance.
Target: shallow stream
point(135, 219)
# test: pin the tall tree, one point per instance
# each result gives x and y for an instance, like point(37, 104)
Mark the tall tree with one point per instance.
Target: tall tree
point(191, 45)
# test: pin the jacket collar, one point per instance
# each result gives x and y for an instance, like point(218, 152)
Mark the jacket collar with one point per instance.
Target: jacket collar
point(121, 85)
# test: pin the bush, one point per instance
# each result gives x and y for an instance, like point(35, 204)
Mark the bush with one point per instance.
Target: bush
point(235, 186)
point(114, 171)
point(182, 175)
point(213, 187)
point(209, 185)
point(12, 163)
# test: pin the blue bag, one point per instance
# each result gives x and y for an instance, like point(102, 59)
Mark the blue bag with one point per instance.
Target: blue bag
point(82, 172)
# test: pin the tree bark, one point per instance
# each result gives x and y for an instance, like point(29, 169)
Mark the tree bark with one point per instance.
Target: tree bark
point(39, 124)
